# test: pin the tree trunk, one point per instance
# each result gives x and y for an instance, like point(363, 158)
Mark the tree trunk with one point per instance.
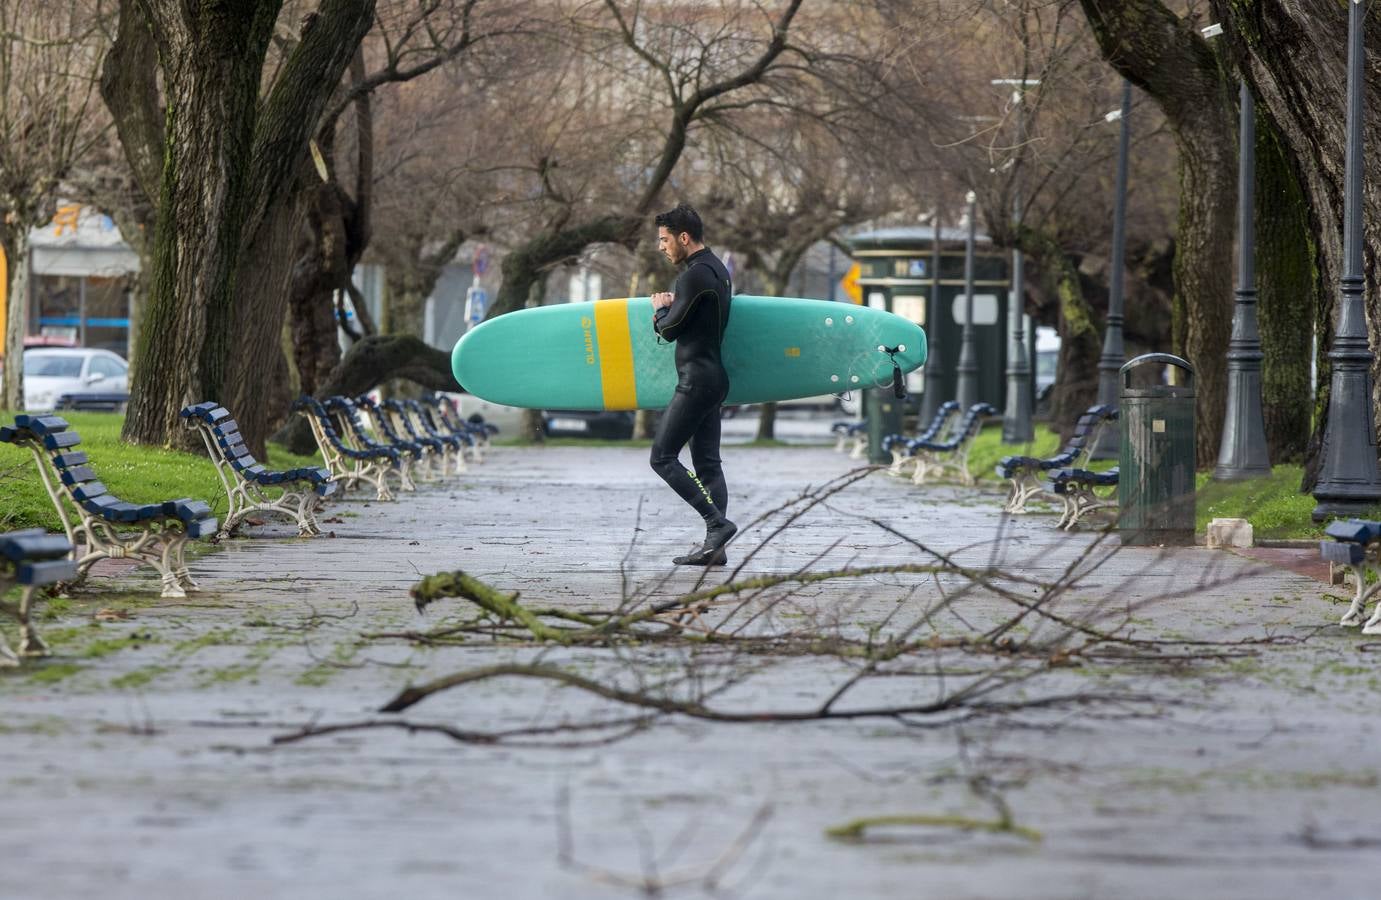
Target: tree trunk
point(767, 422)
point(1288, 289)
point(1168, 59)
point(1081, 343)
point(321, 266)
point(212, 71)
point(1295, 55)
point(258, 391)
point(15, 242)
point(227, 160)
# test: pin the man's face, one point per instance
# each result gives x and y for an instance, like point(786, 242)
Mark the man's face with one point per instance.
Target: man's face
point(673, 246)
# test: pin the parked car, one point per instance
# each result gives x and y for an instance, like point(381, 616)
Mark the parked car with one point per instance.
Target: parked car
point(605, 424)
point(51, 372)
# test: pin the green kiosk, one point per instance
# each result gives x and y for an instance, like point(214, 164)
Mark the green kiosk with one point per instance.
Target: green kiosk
point(897, 273)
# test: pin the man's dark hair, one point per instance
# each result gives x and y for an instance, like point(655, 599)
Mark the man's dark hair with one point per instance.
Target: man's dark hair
point(682, 219)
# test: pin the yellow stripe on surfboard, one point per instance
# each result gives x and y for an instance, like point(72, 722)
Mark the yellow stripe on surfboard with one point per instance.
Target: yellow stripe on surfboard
point(615, 355)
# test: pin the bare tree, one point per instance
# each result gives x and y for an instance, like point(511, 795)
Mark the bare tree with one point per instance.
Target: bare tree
point(49, 120)
point(703, 63)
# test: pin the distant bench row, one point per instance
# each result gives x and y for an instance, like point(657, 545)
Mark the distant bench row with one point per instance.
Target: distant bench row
point(943, 448)
point(100, 525)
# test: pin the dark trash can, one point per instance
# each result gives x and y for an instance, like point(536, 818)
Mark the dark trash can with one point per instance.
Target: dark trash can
point(883, 412)
point(1155, 484)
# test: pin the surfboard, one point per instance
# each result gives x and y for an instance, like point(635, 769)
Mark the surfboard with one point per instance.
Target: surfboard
point(606, 355)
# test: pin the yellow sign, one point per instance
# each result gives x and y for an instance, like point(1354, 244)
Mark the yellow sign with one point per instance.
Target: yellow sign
point(66, 217)
point(852, 289)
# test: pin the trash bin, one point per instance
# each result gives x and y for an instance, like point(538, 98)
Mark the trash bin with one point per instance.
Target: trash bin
point(883, 412)
point(1155, 481)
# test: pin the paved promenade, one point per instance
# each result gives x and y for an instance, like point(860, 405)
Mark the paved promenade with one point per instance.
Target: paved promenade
point(139, 762)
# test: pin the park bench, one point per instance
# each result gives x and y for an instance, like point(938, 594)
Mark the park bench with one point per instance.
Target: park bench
point(1026, 472)
point(108, 527)
point(1355, 547)
point(245, 478)
point(1077, 490)
point(478, 430)
point(423, 423)
point(354, 431)
point(440, 456)
point(940, 429)
point(846, 429)
point(413, 454)
point(348, 462)
point(30, 559)
point(936, 458)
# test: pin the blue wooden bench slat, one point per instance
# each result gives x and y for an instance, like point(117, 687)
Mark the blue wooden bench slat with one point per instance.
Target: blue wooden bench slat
point(61, 440)
point(70, 460)
point(77, 474)
point(33, 543)
point(41, 425)
point(89, 490)
point(49, 571)
point(186, 510)
point(1359, 530)
point(1344, 552)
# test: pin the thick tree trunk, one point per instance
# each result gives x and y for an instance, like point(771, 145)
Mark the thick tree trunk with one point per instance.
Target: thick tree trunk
point(1081, 342)
point(1203, 276)
point(212, 71)
point(227, 159)
point(259, 388)
point(1168, 59)
point(320, 269)
point(15, 242)
point(1295, 58)
point(1288, 289)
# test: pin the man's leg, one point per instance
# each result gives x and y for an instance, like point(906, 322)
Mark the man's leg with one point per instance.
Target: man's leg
point(681, 420)
point(704, 450)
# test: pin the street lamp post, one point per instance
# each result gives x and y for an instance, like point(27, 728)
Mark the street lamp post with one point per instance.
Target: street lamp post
point(1350, 480)
point(1243, 453)
point(1016, 418)
point(967, 369)
point(935, 377)
point(1114, 355)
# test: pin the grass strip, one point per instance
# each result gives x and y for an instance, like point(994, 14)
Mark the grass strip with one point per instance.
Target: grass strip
point(133, 473)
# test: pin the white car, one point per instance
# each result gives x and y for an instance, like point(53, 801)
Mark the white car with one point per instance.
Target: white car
point(50, 372)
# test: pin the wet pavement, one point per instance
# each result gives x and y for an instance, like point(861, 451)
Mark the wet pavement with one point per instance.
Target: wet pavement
point(139, 761)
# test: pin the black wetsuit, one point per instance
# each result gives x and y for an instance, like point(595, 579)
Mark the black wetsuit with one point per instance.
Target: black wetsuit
point(695, 321)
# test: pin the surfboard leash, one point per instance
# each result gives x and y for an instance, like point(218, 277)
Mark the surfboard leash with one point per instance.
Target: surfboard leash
point(898, 386)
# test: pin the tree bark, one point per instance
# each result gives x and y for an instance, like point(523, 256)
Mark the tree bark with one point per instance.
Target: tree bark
point(15, 242)
point(1295, 55)
point(1288, 290)
point(227, 159)
point(1081, 341)
point(1167, 58)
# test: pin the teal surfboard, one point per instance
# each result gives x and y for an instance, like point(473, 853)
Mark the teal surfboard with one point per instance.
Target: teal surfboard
point(605, 354)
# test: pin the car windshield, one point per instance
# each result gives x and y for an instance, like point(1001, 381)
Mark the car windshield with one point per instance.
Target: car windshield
point(47, 365)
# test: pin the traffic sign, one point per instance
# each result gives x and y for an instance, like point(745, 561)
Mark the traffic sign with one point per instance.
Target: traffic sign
point(852, 289)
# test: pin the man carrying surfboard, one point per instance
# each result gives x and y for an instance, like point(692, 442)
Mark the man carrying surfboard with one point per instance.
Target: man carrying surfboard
point(694, 315)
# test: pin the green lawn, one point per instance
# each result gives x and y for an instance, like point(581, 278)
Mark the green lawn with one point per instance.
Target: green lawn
point(1274, 505)
point(136, 474)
